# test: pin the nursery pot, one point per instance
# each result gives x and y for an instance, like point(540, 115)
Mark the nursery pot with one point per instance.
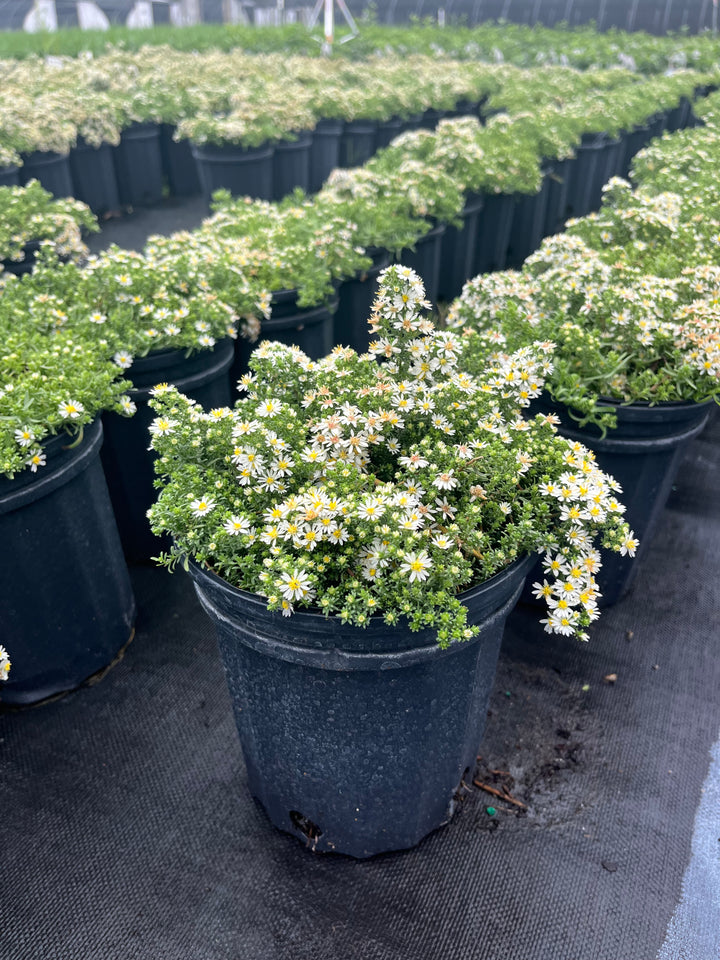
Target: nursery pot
point(609, 165)
point(138, 165)
point(52, 170)
point(457, 259)
point(635, 141)
point(324, 152)
point(557, 197)
point(126, 459)
point(291, 165)
point(643, 454)
point(387, 130)
point(21, 267)
point(9, 177)
point(355, 300)
point(93, 176)
point(178, 163)
point(358, 142)
point(310, 328)
point(528, 224)
point(66, 604)
point(425, 260)
point(244, 172)
point(431, 117)
point(584, 174)
point(356, 741)
point(494, 225)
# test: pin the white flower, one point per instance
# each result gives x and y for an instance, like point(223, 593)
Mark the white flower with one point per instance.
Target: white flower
point(24, 436)
point(4, 663)
point(629, 545)
point(295, 585)
point(237, 525)
point(445, 481)
point(70, 409)
point(123, 359)
point(202, 506)
point(129, 407)
point(161, 426)
point(417, 565)
point(97, 318)
point(37, 459)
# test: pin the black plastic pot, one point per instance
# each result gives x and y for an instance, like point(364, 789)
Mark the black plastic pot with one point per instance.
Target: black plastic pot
point(431, 117)
point(528, 224)
point(413, 122)
point(643, 454)
point(494, 226)
point(126, 459)
point(138, 165)
point(556, 212)
point(244, 172)
point(66, 604)
point(310, 328)
point(355, 300)
point(291, 165)
point(609, 165)
point(9, 177)
point(387, 131)
point(457, 259)
point(635, 141)
point(357, 144)
point(584, 175)
point(425, 260)
point(51, 169)
point(93, 176)
point(356, 741)
point(324, 152)
point(178, 163)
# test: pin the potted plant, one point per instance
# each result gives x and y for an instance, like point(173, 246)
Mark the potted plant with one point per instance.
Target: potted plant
point(331, 521)
point(56, 520)
point(635, 354)
point(157, 322)
point(30, 217)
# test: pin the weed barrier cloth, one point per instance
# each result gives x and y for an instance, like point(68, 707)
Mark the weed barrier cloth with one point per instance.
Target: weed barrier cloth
point(128, 830)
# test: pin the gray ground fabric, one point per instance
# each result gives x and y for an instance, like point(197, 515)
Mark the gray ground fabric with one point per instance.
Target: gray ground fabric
point(128, 832)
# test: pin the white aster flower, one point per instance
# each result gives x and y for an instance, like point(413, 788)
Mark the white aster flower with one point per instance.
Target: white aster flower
point(417, 565)
point(70, 409)
point(202, 506)
point(24, 436)
point(123, 359)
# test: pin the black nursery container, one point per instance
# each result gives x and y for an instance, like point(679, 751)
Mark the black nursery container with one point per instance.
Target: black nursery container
point(635, 141)
point(178, 163)
point(556, 211)
point(127, 462)
point(387, 130)
point(358, 142)
point(528, 224)
point(425, 260)
point(494, 226)
point(138, 165)
point(26, 265)
point(324, 152)
point(356, 741)
point(52, 170)
point(584, 175)
point(9, 177)
point(245, 172)
point(355, 300)
point(310, 328)
point(457, 259)
point(66, 604)
point(93, 176)
point(643, 454)
point(291, 165)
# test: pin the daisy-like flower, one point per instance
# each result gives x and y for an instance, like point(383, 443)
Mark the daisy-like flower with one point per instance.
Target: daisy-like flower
point(414, 462)
point(36, 459)
point(97, 318)
point(629, 545)
point(417, 565)
point(24, 436)
point(442, 542)
point(161, 426)
point(445, 481)
point(295, 585)
point(70, 409)
point(205, 340)
point(202, 506)
point(129, 407)
point(4, 663)
point(236, 525)
point(123, 359)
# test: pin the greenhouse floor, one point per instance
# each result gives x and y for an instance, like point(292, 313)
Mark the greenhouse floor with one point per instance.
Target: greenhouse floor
point(128, 831)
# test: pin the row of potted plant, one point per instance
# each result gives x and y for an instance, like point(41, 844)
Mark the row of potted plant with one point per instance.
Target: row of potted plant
point(582, 47)
point(60, 120)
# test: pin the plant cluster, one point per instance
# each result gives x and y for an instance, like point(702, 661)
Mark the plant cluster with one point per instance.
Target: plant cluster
point(30, 213)
point(381, 485)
